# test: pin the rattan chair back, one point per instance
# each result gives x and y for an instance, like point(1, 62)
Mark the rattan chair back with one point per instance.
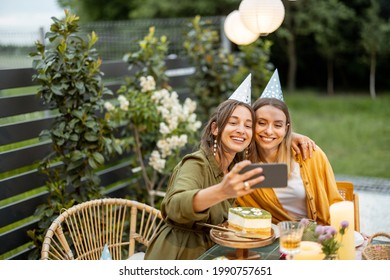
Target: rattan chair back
point(346, 190)
point(82, 231)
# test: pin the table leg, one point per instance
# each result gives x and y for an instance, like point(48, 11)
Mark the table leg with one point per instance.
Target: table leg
point(243, 254)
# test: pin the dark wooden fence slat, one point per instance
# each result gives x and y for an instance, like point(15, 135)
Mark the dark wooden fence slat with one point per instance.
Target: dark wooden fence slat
point(114, 69)
point(21, 183)
point(23, 157)
point(15, 78)
point(23, 130)
point(20, 210)
point(16, 237)
point(21, 104)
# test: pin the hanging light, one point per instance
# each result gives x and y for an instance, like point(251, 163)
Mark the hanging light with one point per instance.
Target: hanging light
point(262, 16)
point(236, 31)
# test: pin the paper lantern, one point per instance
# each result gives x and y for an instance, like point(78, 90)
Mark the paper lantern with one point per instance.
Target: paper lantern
point(236, 31)
point(262, 16)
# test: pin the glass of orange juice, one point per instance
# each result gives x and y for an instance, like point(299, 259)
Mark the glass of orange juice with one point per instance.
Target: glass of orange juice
point(290, 237)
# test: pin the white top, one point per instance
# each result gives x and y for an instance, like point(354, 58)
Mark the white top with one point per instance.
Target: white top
point(293, 197)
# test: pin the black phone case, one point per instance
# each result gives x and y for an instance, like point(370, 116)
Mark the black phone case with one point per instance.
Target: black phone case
point(275, 175)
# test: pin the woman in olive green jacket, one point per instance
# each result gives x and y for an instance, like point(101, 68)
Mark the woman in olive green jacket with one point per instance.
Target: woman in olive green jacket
point(204, 184)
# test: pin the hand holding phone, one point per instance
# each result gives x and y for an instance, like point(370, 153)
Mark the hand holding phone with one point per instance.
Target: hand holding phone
point(275, 175)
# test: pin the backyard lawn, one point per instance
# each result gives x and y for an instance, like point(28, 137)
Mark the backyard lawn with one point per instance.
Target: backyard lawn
point(353, 130)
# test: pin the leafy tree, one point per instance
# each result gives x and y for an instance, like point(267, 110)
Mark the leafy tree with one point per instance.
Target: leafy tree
point(218, 72)
point(288, 33)
point(294, 27)
point(212, 81)
point(99, 10)
point(255, 59)
point(326, 19)
point(71, 83)
point(153, 122)
point(374, 33)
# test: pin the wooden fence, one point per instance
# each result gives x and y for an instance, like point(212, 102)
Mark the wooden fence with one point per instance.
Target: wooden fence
point(22, 117)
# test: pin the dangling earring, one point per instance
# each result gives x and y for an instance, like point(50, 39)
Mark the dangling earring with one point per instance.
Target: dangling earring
point(246, 153)
point(215, 147)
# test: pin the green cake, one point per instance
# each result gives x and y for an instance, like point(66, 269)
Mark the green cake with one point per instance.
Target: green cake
point(251, 220)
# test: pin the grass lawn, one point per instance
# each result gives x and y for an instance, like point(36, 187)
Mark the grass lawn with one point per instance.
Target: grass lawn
point(353, 130)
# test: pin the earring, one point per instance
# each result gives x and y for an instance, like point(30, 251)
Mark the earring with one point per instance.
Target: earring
point(215, 147)
point(246, 153)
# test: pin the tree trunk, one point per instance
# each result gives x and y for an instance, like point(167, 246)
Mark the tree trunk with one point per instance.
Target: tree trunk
point(330, 83)
point(292, 63)
point(291, 50)
point(372, 75)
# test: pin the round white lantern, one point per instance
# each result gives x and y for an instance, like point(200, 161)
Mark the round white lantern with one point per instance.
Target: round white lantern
point(236, 31)
point(262, 16)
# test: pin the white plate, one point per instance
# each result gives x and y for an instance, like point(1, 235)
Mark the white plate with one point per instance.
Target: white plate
point(359, 239)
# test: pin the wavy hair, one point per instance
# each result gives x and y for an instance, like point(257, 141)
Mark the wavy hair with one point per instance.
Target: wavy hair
point(284, 154)
point(220, 118)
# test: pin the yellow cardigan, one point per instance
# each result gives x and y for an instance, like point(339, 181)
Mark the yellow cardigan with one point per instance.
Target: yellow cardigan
point(320, 186)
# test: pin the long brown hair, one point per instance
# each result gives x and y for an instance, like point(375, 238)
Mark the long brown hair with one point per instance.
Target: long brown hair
point(285, 149)
point(220, 118)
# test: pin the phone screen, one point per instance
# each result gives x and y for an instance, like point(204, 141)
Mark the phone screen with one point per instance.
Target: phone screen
point(275, 174)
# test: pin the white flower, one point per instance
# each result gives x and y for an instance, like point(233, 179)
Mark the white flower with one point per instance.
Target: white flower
point(164, 147)
point(194, 126)
point(175, 119)
point(163, 111)
point(173, 123)
point(109, 107)
point(169, 144)
point(177, 142)
point(164, 129)
point(147, 84)
point(156, 161)
point(123, 102)
point(189, 105)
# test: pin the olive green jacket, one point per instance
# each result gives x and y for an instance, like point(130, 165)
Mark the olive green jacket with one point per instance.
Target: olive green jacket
point(180, 237)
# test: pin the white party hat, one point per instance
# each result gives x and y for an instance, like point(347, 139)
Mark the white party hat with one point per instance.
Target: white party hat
point(243, 92)
point(273, 88)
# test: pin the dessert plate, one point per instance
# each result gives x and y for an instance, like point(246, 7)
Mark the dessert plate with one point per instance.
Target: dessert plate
point(230, 239)
point(242, 234)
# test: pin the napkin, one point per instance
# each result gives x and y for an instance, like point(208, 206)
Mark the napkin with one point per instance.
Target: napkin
point(105, 254)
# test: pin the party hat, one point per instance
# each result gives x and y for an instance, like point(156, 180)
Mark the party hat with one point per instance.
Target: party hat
point(105, 254)
point(273, 88)
point(243, 92)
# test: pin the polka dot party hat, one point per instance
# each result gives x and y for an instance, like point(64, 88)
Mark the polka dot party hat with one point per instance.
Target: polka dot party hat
point(243, 92)
point(273, 88)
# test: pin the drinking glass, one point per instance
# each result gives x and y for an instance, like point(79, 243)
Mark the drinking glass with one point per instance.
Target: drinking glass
point(290, 237)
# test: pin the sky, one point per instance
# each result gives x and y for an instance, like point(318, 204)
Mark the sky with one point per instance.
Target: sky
point(28, 15)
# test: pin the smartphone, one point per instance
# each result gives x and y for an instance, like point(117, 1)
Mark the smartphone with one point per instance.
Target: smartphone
point(275, 174)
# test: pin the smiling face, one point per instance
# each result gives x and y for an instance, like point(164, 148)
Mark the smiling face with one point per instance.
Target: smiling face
point(237, 133)
point(271, 128)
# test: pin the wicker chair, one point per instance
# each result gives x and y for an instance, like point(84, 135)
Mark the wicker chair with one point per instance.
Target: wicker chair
point(347, 192)
point(82, 231)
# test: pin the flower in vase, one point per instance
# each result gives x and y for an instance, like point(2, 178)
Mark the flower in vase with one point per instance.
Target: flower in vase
point(327, 237)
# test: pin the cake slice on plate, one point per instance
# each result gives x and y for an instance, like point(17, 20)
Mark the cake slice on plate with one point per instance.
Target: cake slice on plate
point(251, 220)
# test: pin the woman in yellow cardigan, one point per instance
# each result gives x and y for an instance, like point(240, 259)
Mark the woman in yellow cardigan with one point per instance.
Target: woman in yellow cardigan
point(311, 185)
